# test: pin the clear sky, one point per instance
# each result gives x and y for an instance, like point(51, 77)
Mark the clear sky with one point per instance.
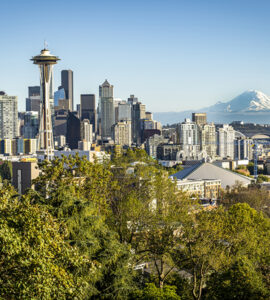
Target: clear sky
point(172, 54)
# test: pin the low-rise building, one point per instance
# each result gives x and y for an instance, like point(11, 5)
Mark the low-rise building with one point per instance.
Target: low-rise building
point(206, 171)
point(23, 172)
point(206, 188)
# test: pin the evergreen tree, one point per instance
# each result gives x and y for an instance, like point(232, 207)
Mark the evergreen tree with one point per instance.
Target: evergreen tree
point(35, 261)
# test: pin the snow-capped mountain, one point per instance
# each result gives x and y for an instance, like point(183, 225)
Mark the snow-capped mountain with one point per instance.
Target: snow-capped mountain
point(250, 106)
point(249, 101)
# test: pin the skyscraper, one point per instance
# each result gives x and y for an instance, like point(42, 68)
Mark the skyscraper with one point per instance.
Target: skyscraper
point(31, 125)
point(106, 90)
point(8, 116)
point(67, 85)
point(124, 111)
point(106, 109)
point(33, 100)
point(45, 60)
point(60, 94)
point(88, 109)
point(73, 130)
point(33, 91)
point(137, 113)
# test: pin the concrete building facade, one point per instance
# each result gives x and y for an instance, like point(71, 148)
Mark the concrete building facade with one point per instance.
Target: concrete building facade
point(122, 133)
point(8, 117)
point(226, 136)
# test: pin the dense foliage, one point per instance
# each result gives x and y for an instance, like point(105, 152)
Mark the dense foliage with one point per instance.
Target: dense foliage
point(122, 230)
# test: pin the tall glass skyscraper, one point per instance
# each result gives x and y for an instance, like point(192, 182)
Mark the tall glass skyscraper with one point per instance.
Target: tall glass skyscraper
point(88, 109)
point(67, 85)
point(106, 109)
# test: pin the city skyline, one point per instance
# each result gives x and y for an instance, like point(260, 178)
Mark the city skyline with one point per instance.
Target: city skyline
point(183, 54)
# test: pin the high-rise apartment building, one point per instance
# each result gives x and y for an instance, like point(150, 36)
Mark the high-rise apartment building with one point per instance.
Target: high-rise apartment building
point(122, 133)
point(88, 109)
point(226, 136)
point(8, 117)
point(106, 109)
point(67, 85)
point(199, 118)
point(188, 133)
point(208, 139)
point(189, 139)
point(86, 131)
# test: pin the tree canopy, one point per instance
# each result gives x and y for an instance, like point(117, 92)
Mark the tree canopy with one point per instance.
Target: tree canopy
point(122, 230)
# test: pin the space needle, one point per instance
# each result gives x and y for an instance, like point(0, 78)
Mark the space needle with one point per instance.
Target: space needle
point(45, 60)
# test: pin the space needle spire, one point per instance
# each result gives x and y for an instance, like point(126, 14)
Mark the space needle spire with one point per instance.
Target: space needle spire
point(45, 60)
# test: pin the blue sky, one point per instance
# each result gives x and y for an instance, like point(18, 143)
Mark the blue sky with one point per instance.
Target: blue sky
point(172, 54)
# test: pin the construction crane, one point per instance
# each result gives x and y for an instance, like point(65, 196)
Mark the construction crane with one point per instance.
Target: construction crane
point(255, 158)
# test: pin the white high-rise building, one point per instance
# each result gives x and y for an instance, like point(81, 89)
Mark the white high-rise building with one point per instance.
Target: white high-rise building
point(8, 116)
point(208, 139)
point(226, 136)
point(86, 131)
point(189, 139)
point(122, 133)
point(188, 133)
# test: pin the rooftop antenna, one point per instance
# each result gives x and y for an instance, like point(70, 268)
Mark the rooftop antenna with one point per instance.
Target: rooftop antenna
point(45, 45)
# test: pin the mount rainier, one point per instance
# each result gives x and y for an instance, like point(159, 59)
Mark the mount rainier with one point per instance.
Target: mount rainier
point(249, 101)
point(252, 106)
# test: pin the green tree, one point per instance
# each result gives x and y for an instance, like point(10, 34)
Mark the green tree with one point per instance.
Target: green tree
point(246, 274)
point(6, 170)
point(152, 292)
point(77, 195)
point(91, 181)
point(162, 232)
point(240, 281)
point(262, 178)
point(202, 251)
point(254, 196)
point(35, 261)
point(130, 199)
